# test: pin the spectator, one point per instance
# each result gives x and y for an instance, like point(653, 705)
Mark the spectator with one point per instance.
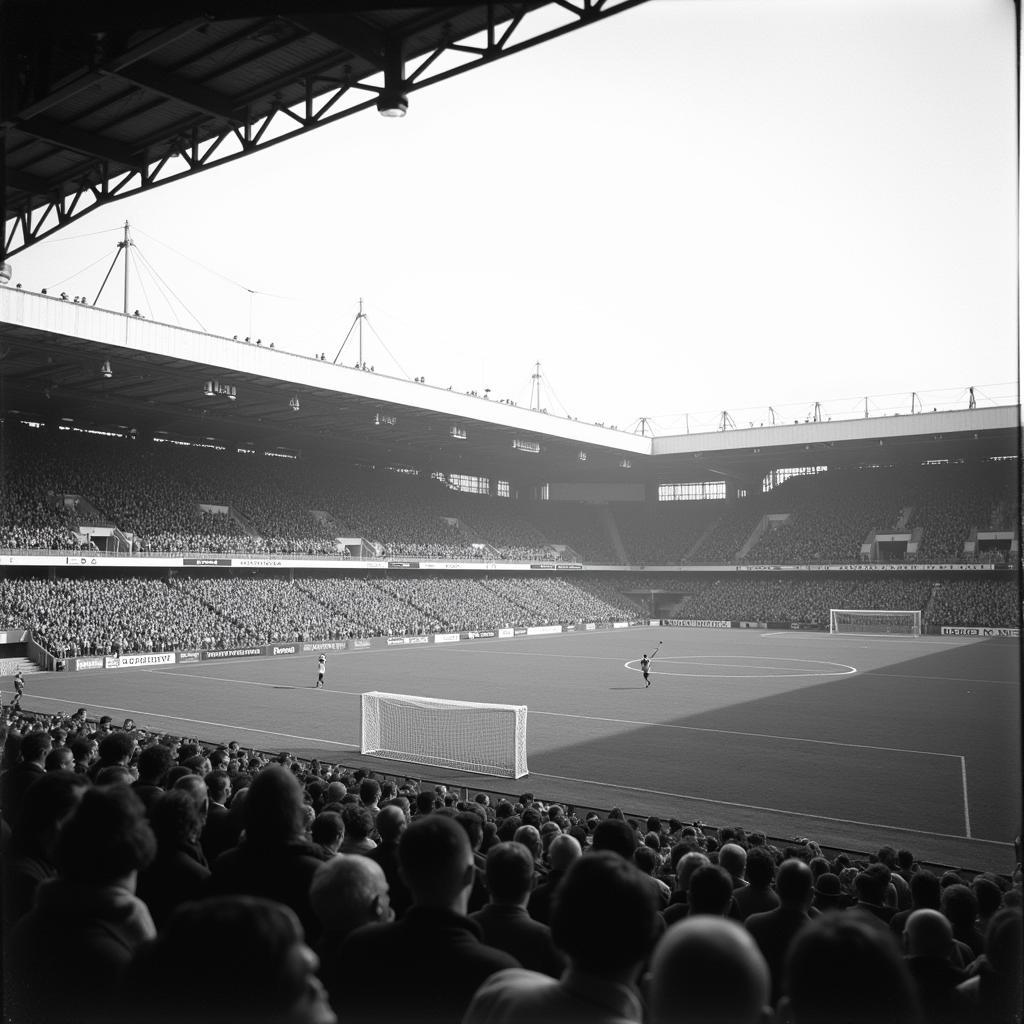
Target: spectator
point(272, 862)
point(66, 957)
point(679, 904)
point(562, 852)
point(994, 991)
point(31, 858)
point(928, 940)
point(844, 970)
point(605, 920)
point(154, 763)
point(178, 873)
point(328, 831)
point(358, 826)
point(709, 891)
point(504, 921)
point(733, 858)
point(758, 895)
point(708, 971)
point(391, 823)
point(959, 905)
point(219, 830)
point(442, 957)
point(774, 931)
point(14, 782)
point(228, 960)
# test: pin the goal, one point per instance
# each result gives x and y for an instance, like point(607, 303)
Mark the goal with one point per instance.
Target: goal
point(472, 737)
point(874, 622)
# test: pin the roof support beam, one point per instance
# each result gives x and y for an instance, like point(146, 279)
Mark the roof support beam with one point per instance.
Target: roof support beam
point(174, 87)
point(81, 142)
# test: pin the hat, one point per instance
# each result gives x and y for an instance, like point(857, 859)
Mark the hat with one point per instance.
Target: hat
point(828, 885)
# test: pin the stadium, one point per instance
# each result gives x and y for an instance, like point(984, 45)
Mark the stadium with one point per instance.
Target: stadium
point(370, 591)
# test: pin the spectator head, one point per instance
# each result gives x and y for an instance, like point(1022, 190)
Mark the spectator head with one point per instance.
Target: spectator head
point(198, 764)
point(960, 906)
point(182, 975)
point(35, 747)
point(328, 830)
point(709, 891)
point(1003, 945)
point(60, 759)
point(686, 866)
point(335, 791)
point(273, 808)
point(347, 892)
point(509, 873)
point(175, 819)
point(435, 861)
point(794, 884)
point(358, 822)
point(988, 894)
point(474, 826)
point(604, 916)
point(564, 849)
point(873, 883)
point(116, 748)
point(760, 867)
point(46, 806)
point(927, 933)
point(114, 775)
point(154, 763)
point(529, 837)
point(391, 824)
point(925, 890)
point(369, 792)
point(708, 970)
point(615, 836)
point(733, 858)
point(107, 838)
point(196, 789)
point(646, 859)
point(218, 786)
point(86, 750)
point(841, 969)
point(828, 892)
point(425, 803)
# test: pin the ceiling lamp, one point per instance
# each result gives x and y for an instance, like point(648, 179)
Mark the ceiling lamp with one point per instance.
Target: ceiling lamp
point(392, 101)
point(293, 403)
point(105, 370)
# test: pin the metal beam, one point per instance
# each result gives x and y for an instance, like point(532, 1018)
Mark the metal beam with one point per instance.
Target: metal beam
point(80, 141)
point(174, 87)
point(347, 33)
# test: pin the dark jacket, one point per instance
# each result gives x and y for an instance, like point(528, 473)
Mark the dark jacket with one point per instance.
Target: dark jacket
point(424, 967)
point(511, 929)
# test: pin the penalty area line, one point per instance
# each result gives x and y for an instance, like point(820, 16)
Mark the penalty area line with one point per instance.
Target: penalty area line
point(755, 807)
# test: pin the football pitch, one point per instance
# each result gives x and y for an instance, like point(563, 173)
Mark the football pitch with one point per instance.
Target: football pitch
point(852, 741)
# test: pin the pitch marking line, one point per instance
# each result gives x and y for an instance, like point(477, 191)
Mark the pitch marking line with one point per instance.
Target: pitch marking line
point(967, 813)
point(200, 721)
point(706, 661)
point(755, 807)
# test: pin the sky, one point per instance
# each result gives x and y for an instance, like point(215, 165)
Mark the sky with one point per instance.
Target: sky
point(695, 207)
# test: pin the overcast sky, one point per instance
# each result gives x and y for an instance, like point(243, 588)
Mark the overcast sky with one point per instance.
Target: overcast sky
point(694, 206)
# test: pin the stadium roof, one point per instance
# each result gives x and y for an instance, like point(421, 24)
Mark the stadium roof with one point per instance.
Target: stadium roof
point(99, 370)
point(103, 99)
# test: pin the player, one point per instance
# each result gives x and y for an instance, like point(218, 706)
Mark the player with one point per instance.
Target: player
point(321, 668)
point(19, 689)
point(645, 664)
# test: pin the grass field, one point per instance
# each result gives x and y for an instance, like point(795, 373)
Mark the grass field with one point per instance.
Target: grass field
point(853, 741)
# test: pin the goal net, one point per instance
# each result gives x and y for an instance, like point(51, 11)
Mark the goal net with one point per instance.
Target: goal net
point(873, 621)
point(470, 736)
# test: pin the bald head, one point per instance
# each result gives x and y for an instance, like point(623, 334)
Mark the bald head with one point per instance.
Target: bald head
point(733, 858)
point(928, 933)
point(348, 891)
point(564, 849)
point(529, 837)
point(708, 970)
point(689, 863)
point(794, 884)
point(391, 823)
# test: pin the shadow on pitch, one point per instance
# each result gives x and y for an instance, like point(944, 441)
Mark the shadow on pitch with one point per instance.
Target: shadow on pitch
point(627, 687)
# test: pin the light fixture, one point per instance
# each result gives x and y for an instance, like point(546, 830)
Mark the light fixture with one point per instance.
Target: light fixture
point(208, 389)
point(214, 387)
point(105, 369)
point(582, 456)
point(626, 464)
point(457, 432)
point(392, 101)
point(293, 403)
point(533, 447)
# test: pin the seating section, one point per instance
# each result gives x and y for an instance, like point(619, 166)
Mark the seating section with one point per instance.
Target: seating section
point(177, 499)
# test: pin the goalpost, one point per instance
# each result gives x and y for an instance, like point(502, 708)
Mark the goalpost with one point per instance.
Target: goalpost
point(874, 622)
point(473, 737)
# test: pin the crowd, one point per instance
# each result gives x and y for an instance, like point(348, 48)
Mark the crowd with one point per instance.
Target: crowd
point(151, 877)
point(122, 614)
point(975, 603)
point(186, 498)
